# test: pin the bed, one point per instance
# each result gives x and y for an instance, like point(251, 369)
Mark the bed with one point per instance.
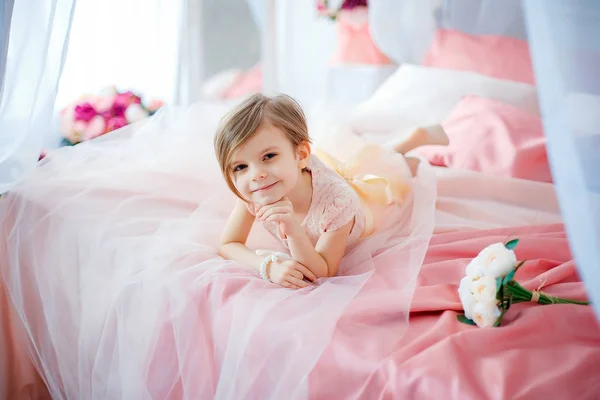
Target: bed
point(540, 351)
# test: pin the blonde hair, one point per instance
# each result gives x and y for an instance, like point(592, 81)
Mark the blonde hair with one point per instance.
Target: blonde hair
point(240, 124)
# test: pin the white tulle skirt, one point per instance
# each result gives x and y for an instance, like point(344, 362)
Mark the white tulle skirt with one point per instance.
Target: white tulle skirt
point(108, 255)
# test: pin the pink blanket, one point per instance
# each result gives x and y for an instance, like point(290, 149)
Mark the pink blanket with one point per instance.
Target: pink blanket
point(538, 352)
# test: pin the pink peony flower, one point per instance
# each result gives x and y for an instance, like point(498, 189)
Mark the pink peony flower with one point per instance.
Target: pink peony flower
point(85, 112)
point(154, 105)
point(95, 128)
point(126, 99)
point(104, 104)
point(107, 115)
point(118, 109)
point(77, 132)
point(115, 123)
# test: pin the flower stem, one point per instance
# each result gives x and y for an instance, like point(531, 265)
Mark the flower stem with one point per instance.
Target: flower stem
point(520, 294)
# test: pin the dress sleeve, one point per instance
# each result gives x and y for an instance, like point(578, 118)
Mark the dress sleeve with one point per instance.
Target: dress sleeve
point(339, 211)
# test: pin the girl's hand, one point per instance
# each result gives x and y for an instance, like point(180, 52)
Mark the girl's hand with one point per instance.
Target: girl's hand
point(290, 274)
point(282, 212)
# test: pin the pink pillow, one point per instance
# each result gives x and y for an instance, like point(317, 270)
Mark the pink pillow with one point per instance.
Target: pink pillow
point(355, 45)
point(496, 56)
point(494, 138)
point(248, 82)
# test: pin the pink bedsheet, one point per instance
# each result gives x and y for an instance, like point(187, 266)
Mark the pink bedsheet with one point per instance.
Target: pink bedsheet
point(540, 351)
point(19, 379)
point(440, 358)
point(495, 138)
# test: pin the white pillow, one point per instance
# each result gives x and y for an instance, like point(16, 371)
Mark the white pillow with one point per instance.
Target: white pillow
point(419, 96)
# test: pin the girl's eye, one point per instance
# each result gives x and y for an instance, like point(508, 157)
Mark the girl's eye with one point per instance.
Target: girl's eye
point(240, 167)
point(269, 156)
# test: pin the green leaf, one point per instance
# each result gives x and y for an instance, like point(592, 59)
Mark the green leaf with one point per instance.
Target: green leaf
point(465, 320)
point(512, 244)
point(509, 277)
point(498, 283)
point(65, 142)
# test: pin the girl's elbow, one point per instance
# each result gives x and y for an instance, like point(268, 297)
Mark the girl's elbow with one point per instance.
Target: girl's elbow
point(222, 249)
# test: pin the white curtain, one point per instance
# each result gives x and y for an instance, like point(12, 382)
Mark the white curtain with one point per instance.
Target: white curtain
point(565, 48)
point(303, 44)
point(152, 47)
point(35, 44)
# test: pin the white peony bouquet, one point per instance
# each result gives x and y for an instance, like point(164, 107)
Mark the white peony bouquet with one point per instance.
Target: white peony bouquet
point(488, 289)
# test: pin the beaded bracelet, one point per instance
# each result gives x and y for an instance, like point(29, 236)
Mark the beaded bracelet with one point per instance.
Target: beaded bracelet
point(263, 267)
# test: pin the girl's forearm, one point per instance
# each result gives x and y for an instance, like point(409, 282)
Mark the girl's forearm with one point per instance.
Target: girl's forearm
point(303, 251)
point(236, 251)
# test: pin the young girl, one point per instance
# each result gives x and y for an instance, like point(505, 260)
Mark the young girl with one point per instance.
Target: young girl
point(264, 151)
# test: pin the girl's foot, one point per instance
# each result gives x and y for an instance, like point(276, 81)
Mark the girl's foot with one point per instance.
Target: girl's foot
point(427, 136)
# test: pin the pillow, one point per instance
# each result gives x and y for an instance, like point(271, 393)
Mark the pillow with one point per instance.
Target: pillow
point(500, 57)
point(419, 96)
point(494, 138)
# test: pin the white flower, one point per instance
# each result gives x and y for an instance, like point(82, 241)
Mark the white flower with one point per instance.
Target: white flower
point(466, 296)
point(484, 289)
point(495, 260)
point(108, 91)
point(135, 113)
point(485, 314)
point(475, 268)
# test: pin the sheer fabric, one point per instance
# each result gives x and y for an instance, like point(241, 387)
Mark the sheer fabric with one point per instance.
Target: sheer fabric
point(35, 50)
point(566, 54)
point(108, 252)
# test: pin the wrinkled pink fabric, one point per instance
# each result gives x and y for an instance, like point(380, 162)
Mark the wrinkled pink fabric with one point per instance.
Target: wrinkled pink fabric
point(183, 322)
point(495, 138)
point(19, 379)
point(496, 56)
point(539, 351)
point(367, 356)
point(109, 251)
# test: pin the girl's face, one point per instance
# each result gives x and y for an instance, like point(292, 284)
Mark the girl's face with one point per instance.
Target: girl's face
point(267, 167)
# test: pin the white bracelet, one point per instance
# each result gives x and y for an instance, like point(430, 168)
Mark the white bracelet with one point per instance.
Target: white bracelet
point(270, 258)
point(263, 267)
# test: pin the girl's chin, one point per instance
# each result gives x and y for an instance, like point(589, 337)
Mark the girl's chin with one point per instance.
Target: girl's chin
point(266, 200)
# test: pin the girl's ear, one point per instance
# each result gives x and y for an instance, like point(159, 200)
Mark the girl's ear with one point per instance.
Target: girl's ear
point(303, 154)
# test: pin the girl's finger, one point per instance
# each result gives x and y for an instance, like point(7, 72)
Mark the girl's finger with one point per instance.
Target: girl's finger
point(289, 285)
point(272, 211)
point(296, 273)
point(306, 272)
point(297, 282)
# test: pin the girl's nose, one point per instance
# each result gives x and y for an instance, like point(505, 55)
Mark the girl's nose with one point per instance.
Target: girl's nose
point(259, 174)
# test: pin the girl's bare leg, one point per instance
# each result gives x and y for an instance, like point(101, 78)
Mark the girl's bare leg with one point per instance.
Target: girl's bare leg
point(431, 135)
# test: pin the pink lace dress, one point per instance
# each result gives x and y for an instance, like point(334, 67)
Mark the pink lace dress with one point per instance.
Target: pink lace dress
point(334, 203)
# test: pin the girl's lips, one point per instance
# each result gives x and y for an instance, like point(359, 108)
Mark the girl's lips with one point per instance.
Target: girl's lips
point(266, 187)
